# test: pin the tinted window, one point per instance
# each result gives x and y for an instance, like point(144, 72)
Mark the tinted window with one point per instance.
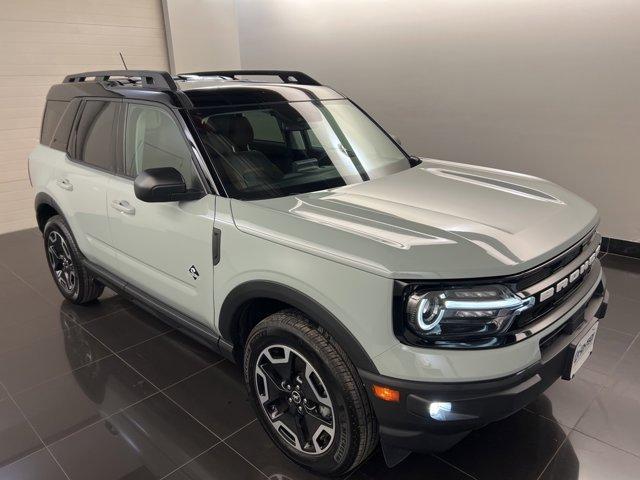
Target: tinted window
point(95, 144)
point(60, 138)
point(52, 113)
point(152, 140)
point(313, 140)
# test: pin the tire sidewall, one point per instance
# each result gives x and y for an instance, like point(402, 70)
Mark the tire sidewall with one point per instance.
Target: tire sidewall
point(339, 454)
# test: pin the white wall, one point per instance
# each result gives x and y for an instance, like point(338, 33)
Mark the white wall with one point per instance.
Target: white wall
point(539, 86)
point(41, 41)
point(202, 35)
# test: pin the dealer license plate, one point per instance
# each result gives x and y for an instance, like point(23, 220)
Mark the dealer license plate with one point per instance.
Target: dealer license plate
point(582, 350)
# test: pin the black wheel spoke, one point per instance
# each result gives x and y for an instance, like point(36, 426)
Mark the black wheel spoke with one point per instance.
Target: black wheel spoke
point(65, 251)
point(310, 393)
point(286, 369)
point(316, 415)
point(276, 408)
point(315, 427)
point(302, 432)
point(314, 389)
point(292, 422)
point(68, 278)
point(60, 277)
point(61, 261)
point(273, 383)
point(53, 253)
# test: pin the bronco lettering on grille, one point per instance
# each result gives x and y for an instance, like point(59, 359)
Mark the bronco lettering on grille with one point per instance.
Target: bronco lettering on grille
point(569, 279)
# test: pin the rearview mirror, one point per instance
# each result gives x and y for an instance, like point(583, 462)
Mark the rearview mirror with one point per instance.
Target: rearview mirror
point(164, 184)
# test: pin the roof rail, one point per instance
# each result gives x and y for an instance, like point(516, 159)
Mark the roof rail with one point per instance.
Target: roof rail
point(287, 76)
point(148, 78)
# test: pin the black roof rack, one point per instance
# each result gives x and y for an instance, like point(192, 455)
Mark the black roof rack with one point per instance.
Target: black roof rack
point(287, 76)
point(148, 78)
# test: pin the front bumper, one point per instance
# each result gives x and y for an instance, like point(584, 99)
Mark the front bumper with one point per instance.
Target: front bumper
point(435, 416)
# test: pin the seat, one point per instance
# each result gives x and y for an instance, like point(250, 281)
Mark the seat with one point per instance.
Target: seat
point(240, 133)
point(247, 168)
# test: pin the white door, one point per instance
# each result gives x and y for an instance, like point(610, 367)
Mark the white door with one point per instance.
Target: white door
point(81, 182)
point(164, 249)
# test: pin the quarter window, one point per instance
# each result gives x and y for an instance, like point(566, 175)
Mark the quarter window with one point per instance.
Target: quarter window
point(153, 140)
point(60, 140)
point(95, 144)
point(52, 114)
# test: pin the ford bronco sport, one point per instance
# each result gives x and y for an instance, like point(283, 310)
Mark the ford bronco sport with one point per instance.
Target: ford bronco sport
point(370, 296)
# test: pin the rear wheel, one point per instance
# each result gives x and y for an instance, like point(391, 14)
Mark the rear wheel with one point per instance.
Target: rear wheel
point(64, 259)
point(308, 395)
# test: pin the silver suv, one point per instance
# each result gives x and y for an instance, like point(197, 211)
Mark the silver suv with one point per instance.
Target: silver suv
point(369, 295)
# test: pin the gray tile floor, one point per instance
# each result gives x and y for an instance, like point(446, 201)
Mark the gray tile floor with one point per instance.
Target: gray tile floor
point(109, 392)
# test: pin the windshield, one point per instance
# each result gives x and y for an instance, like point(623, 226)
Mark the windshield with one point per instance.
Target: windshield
point(267, 151)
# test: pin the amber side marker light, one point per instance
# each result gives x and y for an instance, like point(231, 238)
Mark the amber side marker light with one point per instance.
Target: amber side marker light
point(387, 394)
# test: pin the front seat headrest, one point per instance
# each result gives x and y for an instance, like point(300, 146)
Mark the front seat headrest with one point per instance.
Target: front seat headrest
point(241, 133)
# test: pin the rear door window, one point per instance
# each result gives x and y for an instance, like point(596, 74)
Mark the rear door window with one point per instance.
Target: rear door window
point(95, 135)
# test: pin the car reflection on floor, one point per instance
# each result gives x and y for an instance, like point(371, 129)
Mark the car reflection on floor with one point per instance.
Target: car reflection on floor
point(149, 431)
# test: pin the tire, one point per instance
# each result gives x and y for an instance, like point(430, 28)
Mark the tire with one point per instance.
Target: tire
point(65, 263)
point(291, 364)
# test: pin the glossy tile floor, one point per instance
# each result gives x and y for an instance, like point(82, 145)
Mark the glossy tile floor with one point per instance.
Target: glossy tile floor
point(108, 392)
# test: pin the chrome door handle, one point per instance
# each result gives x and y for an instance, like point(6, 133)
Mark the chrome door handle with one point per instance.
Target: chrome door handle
point(64, 184)
point(123, 206)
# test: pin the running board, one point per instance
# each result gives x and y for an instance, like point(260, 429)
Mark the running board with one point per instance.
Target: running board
point(196, 330)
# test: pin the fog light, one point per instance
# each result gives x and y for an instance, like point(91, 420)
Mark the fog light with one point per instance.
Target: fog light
point(387, 394)
point(439, 410)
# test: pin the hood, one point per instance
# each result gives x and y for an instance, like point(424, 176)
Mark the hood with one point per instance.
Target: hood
point(438, 220)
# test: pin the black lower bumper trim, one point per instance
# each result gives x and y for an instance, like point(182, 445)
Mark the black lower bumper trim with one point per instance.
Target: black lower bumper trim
point(435, 416)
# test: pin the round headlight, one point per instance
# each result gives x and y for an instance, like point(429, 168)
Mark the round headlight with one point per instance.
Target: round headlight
point(428, 314)
point(424, 312)
point(463, 313)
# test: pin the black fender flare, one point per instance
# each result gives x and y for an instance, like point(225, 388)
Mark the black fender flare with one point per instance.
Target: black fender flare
point(317, 313)
point(45, 199)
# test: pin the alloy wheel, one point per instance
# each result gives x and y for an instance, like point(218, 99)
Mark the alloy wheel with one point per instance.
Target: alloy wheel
point(295, 399)
point(61, 262)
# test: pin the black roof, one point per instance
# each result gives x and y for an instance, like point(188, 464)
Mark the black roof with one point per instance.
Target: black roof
point(193, 90)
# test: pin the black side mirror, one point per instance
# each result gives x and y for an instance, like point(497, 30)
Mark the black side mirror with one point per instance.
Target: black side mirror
point(164, 184)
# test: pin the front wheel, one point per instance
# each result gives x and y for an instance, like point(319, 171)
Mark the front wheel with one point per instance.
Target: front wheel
point(308, 395)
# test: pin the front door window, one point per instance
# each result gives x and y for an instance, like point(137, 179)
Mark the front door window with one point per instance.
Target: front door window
point(152, 140)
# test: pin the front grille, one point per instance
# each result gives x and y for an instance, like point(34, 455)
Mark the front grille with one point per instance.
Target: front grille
point(531, 315)
point(554, 265)
point(547, 275)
